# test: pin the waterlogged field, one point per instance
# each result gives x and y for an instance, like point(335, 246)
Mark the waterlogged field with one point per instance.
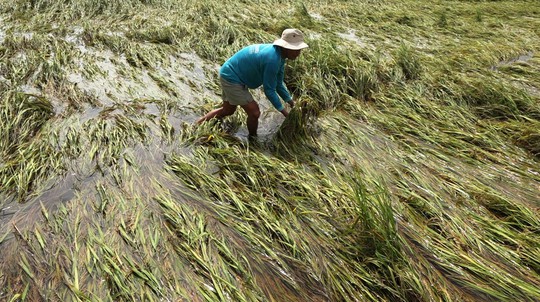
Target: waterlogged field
point(408, 171)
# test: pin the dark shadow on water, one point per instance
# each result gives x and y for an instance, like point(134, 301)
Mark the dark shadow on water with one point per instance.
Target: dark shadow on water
point(25, 215)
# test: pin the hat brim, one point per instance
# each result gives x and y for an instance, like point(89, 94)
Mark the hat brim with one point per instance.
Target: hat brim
point(293, 46)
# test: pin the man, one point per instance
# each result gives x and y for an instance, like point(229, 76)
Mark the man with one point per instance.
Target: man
point(251, 67)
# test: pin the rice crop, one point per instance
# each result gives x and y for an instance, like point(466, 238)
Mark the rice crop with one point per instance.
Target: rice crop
point(407, 171)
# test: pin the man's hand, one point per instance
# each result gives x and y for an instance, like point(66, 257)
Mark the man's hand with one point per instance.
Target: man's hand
point(291, 102)
point(284, 111)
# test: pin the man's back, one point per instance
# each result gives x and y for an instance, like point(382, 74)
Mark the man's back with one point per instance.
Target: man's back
point(253, 65)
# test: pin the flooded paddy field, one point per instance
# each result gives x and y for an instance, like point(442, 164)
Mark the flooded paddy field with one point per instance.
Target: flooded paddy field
point(407, 171)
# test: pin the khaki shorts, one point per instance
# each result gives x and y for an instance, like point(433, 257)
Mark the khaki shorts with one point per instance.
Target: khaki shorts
point(235, 94)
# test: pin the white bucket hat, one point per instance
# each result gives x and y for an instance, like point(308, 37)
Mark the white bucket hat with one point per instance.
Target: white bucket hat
point(291, 38)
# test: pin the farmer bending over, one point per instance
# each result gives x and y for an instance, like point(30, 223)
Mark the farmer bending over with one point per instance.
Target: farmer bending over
point(251, 67)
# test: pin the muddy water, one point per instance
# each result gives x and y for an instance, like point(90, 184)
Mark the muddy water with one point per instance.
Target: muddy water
point(116, 83)
point(111, 79)
point(81, 177)
point(119, 83)
point(112, 84)
point(59, 191)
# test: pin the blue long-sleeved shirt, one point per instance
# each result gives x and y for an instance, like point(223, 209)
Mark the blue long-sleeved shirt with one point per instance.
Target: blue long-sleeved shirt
point(256, 65)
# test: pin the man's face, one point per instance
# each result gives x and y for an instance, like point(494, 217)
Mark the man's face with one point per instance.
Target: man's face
point(291, 54)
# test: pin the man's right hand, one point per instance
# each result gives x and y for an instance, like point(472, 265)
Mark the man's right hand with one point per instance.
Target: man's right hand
point(291, 102)
point(284, 112)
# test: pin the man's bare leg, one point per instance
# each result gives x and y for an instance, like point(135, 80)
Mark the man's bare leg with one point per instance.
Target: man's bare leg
point(225, 110)
point(253, 113)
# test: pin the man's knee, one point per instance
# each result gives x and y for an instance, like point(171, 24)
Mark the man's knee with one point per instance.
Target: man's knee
point(228, 110)
point(252, 110)
point(255, 113)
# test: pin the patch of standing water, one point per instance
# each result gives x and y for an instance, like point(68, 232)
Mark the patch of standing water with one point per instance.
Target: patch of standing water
point(110, 79)
point(316, 16)
point(28, 89)
point(151, 109)
point(90, 113)
point(351, 36)
point(2, 35)
point(180, 78)
point(520, 59)
point(113, 80)
point(58, 105)
point(523, 58)
point(75, 36)
point(270, 119)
